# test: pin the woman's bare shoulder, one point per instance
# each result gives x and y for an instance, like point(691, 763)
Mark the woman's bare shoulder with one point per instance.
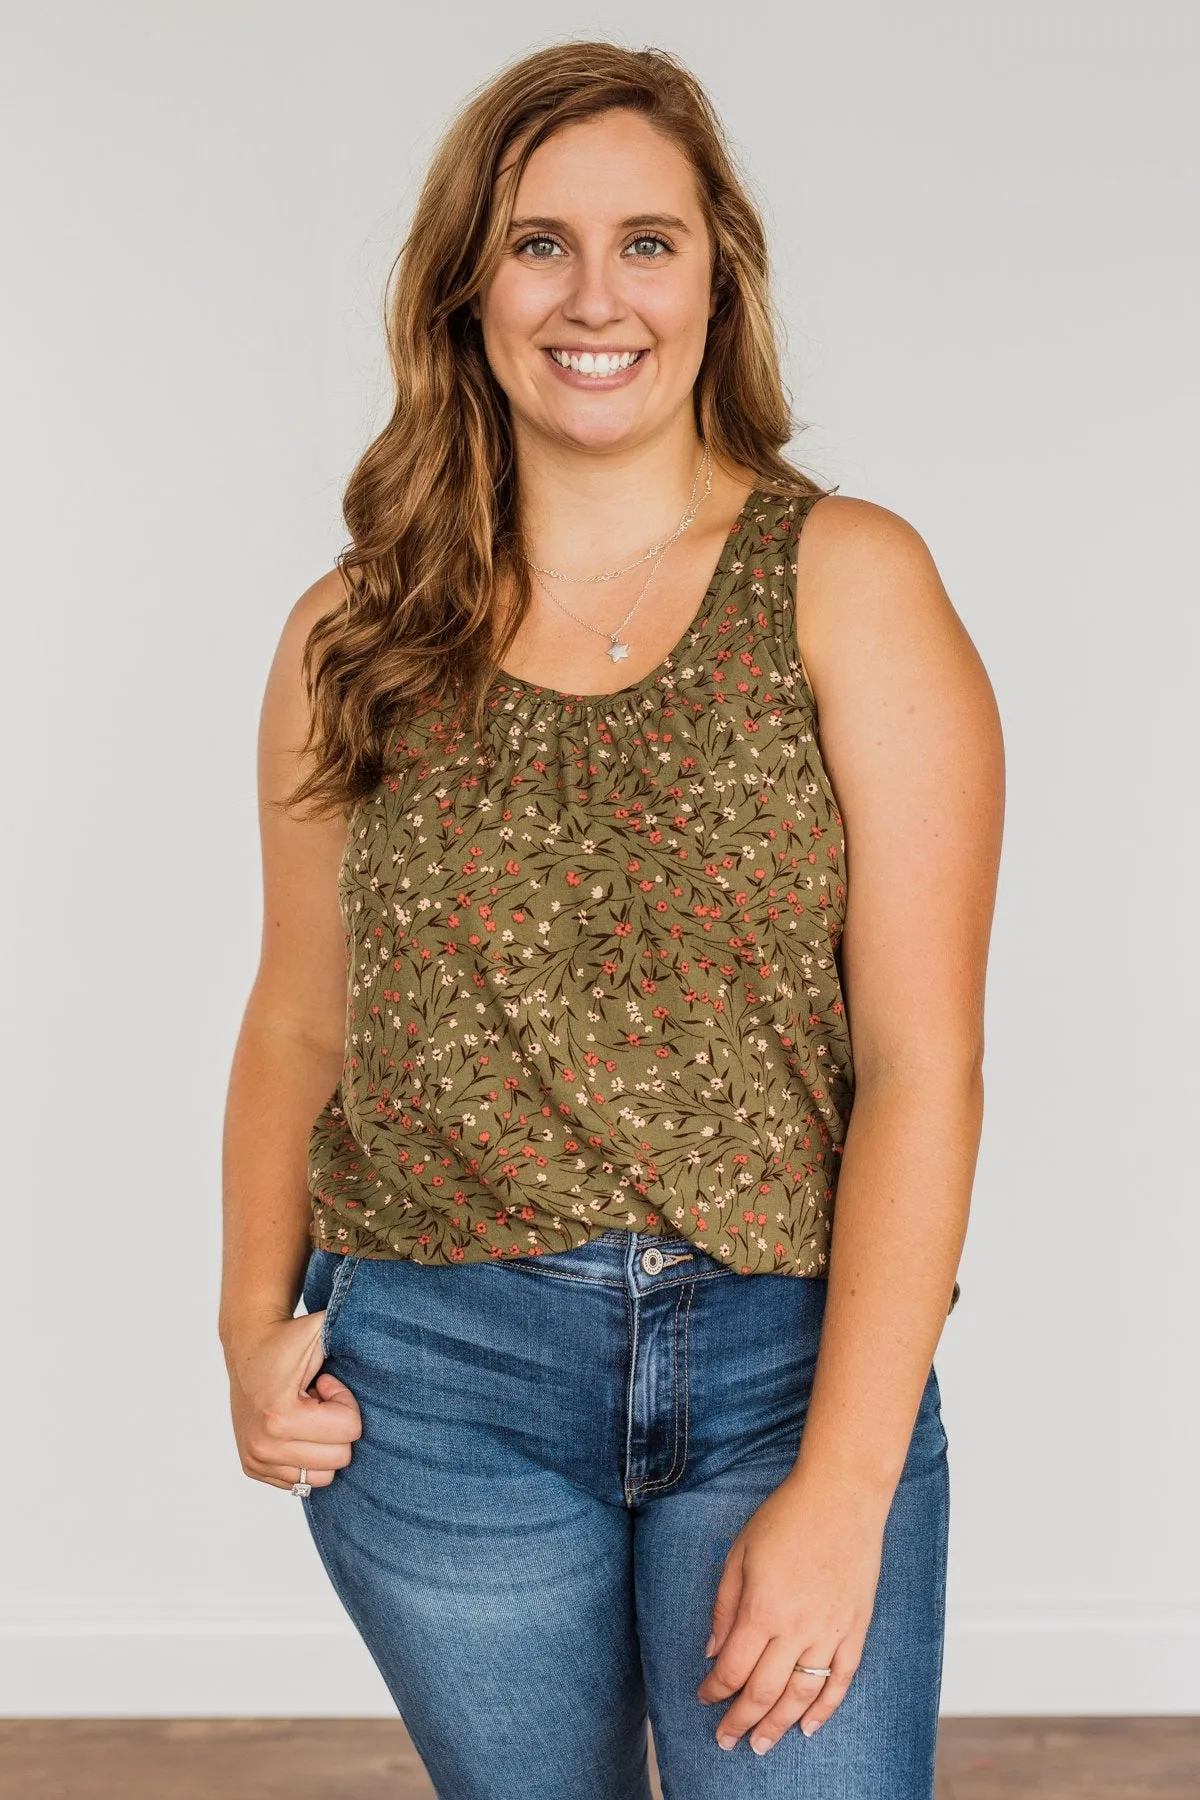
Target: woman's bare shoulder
point(844, 532)
point(284, 720)
point(325, 595)
point(864, 576)
point(286, 697)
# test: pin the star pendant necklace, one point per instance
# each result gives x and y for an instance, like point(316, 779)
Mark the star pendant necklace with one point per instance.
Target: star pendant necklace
point(617, 649)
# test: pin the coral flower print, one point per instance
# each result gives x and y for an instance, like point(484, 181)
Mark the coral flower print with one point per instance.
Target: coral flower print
point(574, 944)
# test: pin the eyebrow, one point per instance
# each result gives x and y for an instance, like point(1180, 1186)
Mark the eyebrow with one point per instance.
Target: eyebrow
point(544, 224)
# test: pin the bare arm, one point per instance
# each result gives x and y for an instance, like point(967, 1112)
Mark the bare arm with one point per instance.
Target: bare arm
point(289, 1051)
point(911, 738)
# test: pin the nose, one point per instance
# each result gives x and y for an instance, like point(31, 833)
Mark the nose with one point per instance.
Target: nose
point(594, 299)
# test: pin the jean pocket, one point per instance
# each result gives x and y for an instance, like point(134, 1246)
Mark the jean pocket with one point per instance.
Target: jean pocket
point(338, 1292)
point(316, 1280)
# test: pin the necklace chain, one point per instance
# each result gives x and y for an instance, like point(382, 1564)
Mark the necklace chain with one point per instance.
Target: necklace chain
point(618, 650)
point(654, 550)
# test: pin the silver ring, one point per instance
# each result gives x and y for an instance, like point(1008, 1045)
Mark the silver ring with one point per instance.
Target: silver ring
point(802, 1669)
point(302, 1489)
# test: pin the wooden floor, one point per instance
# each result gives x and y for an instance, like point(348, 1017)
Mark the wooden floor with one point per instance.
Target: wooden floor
point(372, 1759)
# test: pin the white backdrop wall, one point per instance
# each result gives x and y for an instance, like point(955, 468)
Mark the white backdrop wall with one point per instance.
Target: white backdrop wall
point(980, 219)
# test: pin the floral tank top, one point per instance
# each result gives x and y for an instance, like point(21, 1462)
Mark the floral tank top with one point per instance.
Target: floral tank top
point(593, 963)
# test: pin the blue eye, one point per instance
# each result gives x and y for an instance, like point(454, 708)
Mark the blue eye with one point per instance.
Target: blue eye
point(646, 238)
point(526, 242)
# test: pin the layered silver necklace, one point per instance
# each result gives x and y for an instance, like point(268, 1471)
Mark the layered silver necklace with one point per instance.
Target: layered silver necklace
point(618, 649)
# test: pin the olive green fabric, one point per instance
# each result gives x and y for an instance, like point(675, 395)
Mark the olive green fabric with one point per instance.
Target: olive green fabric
point(593, 976)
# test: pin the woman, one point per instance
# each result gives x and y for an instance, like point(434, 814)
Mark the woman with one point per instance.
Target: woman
point(588, 1419)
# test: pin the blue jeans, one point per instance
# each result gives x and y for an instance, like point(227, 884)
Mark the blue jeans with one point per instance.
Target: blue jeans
point(555, 1459)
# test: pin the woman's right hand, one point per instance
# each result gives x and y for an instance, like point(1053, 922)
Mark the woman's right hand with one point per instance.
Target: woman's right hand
point(281, 1426)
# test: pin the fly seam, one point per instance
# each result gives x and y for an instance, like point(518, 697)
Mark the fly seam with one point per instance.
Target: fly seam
point(687, 1289)
point(631, 1351)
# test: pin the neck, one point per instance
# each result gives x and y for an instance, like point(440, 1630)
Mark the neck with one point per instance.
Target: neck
point(593, 511)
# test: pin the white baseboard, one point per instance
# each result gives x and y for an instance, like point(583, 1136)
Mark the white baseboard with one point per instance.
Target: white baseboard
point(1085, 1660)
point(1111, 1660)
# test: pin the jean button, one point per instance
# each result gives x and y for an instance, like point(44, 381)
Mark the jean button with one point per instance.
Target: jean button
point(652, 1260)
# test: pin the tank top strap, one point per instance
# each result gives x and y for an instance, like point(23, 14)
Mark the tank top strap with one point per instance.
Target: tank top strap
point(773, 535)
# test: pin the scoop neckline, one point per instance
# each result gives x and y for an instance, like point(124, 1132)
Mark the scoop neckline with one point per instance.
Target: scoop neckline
point(503, 679)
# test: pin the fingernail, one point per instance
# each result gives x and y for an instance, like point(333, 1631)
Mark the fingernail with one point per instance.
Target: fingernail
point(711, 1644)
point(760, 1746)
point(726, 1743)
point(809, 1726)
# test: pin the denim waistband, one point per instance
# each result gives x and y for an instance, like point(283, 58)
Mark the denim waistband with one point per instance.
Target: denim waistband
point(640, 1260)
point(618, 1236)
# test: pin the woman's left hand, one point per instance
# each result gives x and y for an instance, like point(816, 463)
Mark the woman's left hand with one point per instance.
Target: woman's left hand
point(798, 1586)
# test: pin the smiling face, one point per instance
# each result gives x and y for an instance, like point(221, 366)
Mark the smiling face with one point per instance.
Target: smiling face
point(595, 320)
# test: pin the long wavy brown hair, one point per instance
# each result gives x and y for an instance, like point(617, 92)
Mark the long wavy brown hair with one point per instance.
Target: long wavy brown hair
point(432, 505)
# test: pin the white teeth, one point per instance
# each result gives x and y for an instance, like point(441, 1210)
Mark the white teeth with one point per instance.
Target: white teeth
point(588, 362)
